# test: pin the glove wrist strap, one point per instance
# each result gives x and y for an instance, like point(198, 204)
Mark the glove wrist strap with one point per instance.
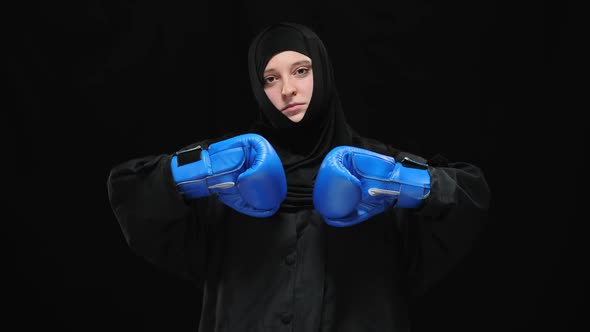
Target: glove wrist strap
point(189, 155)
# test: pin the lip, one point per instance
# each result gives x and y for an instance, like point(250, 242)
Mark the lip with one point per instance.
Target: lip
point(292, 108)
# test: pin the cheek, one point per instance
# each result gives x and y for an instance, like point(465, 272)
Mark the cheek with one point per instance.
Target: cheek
point(309, 87)
point(274, 95)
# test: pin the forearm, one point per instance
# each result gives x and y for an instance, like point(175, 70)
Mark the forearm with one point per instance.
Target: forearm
point(460, 185)
point(442, 233)
point(155, 219)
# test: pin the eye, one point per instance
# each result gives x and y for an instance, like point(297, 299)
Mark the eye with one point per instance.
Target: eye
point(269, 79)
point(301, 71)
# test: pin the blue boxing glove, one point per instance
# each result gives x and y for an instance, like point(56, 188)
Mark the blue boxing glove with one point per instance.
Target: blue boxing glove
point(244, 172)
point(354, 184)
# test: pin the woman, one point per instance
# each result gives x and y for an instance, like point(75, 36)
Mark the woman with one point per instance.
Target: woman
point(298, 222)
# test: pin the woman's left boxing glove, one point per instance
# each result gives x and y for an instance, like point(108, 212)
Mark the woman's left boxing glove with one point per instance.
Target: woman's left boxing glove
point(354, 184)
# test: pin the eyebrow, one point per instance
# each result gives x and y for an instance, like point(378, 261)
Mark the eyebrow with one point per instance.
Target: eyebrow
point(295, 64)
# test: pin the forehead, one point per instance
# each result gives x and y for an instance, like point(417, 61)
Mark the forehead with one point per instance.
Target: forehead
point(286, 58)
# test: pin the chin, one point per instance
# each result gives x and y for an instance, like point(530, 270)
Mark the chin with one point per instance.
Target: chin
point(297, 117)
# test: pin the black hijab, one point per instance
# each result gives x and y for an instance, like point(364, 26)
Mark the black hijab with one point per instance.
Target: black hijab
point(303, 145)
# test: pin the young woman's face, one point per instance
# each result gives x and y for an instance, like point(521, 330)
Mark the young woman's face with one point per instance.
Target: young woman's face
point(288, 83)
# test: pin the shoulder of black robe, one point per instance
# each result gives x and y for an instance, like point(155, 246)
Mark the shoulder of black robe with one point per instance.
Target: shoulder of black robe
point(303, 145)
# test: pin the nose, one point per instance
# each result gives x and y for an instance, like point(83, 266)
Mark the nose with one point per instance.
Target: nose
point(288, 89)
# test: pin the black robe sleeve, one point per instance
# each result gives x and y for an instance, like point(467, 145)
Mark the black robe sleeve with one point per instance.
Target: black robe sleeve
point(158, 224)
point(445, 229)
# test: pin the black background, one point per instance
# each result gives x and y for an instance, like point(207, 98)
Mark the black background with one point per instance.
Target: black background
point(486, 82)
